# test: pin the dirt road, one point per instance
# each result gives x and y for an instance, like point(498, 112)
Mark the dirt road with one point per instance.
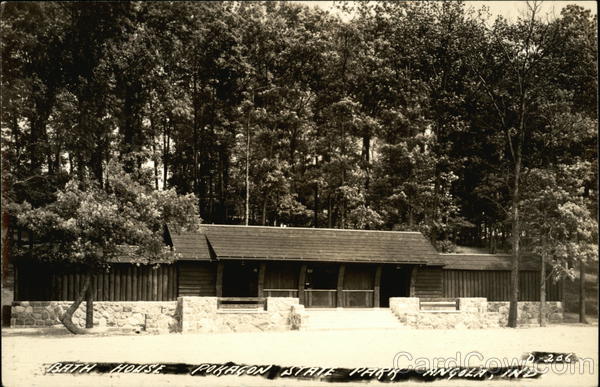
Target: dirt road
point(24, 356)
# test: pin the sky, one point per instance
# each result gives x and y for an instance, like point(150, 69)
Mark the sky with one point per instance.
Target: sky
point(509, 9)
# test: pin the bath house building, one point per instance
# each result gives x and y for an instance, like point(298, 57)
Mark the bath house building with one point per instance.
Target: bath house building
point(322, 268)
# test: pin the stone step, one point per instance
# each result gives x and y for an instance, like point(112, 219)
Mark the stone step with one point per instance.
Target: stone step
point(330, 328)
point(334, 319)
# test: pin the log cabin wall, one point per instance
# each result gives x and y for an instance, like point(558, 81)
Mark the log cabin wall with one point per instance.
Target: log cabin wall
point(281, 279)
point(428, 282)
point(197, 279)
point(124, 282)
point(359, 277)
point(495, 285)
point(358, 286)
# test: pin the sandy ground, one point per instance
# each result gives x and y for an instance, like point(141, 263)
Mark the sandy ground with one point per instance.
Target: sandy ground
point(25, 353)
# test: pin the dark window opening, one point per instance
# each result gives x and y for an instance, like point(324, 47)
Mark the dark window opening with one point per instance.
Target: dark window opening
point(240, 280)
point(321, 276)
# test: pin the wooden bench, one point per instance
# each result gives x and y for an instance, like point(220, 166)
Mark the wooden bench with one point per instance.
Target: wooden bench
point(237, 303)
point(439, 304)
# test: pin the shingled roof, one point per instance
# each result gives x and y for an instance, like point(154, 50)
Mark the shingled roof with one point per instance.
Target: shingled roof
point(191, 245)
point(485, 262)
point(304, 244)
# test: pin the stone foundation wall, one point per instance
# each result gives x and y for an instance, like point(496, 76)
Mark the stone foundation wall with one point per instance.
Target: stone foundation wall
point(200, 314)
point(151, 316)
point(473, 313)
point(528, 312)
point(401, 305)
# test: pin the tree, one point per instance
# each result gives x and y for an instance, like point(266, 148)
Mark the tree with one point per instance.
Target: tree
point(582, 245)
point(515, 82)
point(559, 228)
point(90, 226)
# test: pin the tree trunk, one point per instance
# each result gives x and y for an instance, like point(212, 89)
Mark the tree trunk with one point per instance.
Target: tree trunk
point(516, 239)
point(71, 164)
point(221, 218)
point(96, 163)
point(582, 316)
point(493, 239)
point(264, 210)
point(196, 125)
point(248, 166)
point(38, 139)
point(166, 145)
point(5, 241)
point(316, 209)
point(329, 212)
point(366, 158)
point(343, 214)
point(67, 317)
point(211, 199)
point(155, 162)
point(542, 316)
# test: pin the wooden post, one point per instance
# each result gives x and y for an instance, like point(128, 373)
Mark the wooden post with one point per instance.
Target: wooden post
point(64, 281)
point(129, 283)
point(134, 283)
point(261, 279)
point(17, 282)
point(154, 284)
point(77, 287)
point(376, 287)
point(413, 279)
point(55, 286)
point(106, 286)
point(165, 283)
point(219, 281)
point(301, 281)
point(175, 282)
point(340, 286)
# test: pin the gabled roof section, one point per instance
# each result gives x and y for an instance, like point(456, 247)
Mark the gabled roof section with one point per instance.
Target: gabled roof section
point(192, 246)
point(485, 262)
point(304, 244)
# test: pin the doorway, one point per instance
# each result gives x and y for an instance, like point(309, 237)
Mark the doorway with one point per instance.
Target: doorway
point(320, 288)
point(395, 282)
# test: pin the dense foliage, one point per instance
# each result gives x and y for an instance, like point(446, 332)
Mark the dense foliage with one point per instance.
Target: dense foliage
point(92, 226)
point(410, 116)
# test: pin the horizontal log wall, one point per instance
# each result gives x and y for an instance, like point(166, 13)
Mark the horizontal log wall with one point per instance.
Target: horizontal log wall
point(359, 277)
point(124, 282)
point(495, 285)
point(428, 282)
point(280, 275)
point(197, 279)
